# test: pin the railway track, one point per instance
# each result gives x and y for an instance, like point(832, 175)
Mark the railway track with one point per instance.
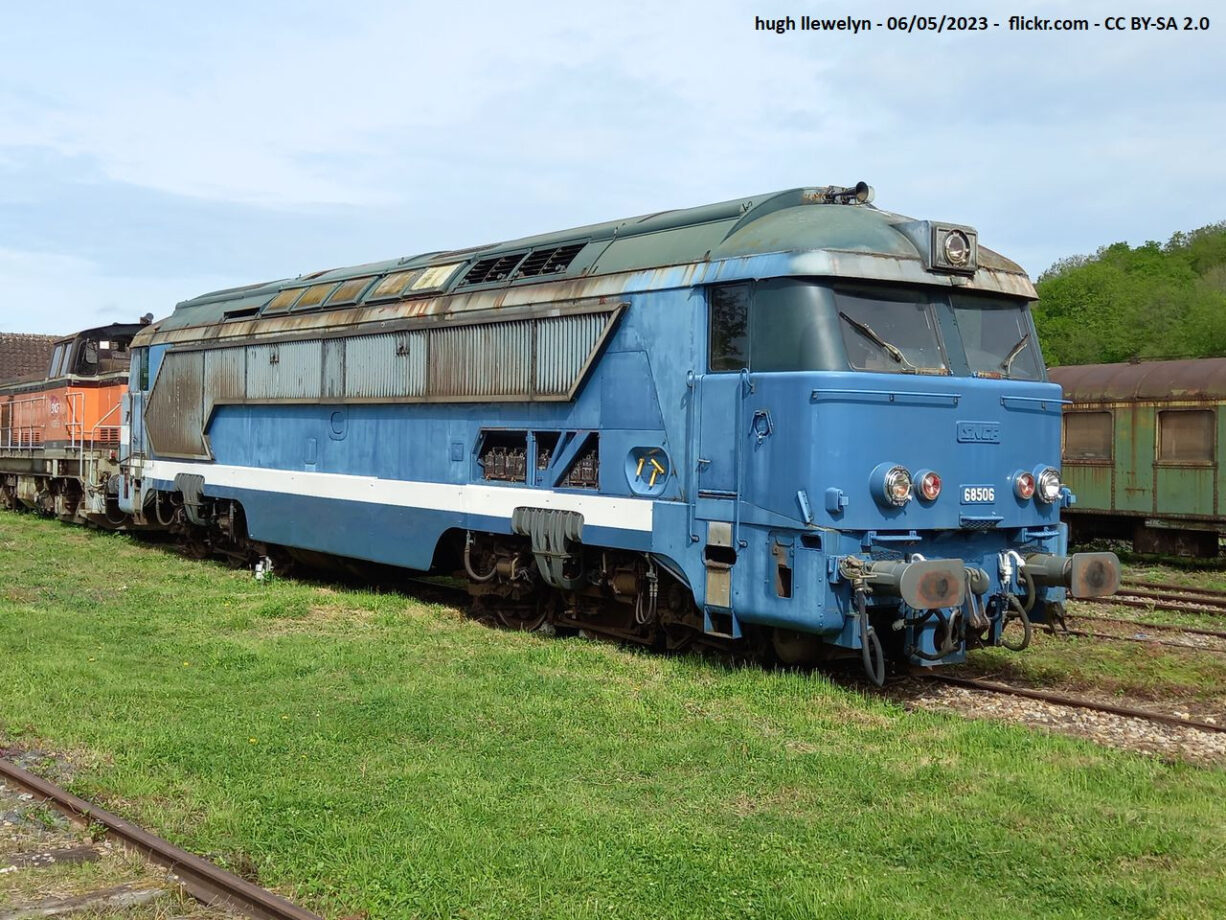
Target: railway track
point(1072, 701)
point(1209, 638)
point(1166, 589)
point(1152, 600)
point(224, 893)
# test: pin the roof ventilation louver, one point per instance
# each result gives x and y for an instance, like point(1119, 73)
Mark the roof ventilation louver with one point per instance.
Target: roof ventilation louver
point(497, 268)
point(549, 261)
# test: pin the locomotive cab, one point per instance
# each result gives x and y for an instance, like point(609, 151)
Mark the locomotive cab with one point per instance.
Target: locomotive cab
point(914, 430)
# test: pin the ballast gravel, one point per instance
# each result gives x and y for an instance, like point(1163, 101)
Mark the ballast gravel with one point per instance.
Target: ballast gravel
point(1157, 739)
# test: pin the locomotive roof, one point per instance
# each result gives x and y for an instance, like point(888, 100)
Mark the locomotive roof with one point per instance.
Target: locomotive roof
point(1192, 379)
point(794, 221)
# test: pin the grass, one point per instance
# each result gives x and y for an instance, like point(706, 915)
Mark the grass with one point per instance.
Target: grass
point(371, 755)
point(1141, 671)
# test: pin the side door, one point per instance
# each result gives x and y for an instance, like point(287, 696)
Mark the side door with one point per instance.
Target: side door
point(720, 393)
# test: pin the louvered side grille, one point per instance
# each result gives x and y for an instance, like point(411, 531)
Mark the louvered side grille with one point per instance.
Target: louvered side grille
point(522, 360)
point(564, 344)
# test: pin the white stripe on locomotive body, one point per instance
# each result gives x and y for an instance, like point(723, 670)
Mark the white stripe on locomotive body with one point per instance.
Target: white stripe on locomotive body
point(489, 501)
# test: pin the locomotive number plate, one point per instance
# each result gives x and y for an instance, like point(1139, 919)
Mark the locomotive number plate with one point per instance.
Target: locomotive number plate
point(978, 495)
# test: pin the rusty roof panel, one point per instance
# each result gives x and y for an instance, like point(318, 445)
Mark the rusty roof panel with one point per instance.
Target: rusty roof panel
point(25, 356)
point(1193, 379)
point(796, 221)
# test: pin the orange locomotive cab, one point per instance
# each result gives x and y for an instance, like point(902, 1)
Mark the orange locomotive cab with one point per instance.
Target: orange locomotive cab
point(59, 435)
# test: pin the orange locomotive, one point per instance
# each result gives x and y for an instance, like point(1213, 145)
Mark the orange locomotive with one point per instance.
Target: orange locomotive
point(60, 434)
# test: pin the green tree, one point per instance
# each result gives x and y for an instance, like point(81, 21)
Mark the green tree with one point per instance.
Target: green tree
point(1145, 302)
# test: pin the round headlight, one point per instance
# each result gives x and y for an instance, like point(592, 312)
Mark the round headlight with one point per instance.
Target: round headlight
point(929, 485)
point(957, 248)
point(898, 486)
point(1048, 489)
point(1023, 485)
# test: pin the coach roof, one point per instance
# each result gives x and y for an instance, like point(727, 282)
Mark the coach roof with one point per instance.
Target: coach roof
point(1192, 379)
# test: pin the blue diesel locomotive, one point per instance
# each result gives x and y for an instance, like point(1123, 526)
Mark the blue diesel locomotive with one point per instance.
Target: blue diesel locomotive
point(795, 422)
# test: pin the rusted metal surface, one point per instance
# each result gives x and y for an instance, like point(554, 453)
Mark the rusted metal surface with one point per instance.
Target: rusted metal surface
point(175, 417)
point(1064, 699)
point(563, 346)
point(284, 369)
point(385, 366)
point(1141, 603)
point(538, 358)
point(1094, 574)
point(1173, 589)
point(1145, 625)
point(481, 361)
point(1146, 640)
point(205, 881)
point(671, 248)
point(1199, 380)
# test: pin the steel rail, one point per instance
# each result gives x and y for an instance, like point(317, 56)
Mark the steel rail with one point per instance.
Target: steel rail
point(1176, 597)
point(1126, 600)
point(204, 881)
point(1164, 586)
point(1077, 702)
point(1108, 637)
point(1146, 625)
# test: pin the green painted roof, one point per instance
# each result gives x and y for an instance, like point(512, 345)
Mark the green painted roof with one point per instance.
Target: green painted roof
point(790, 221)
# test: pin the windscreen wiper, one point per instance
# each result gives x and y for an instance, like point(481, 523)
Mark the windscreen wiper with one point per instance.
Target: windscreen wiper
point(1014, 352)
point(867, 331)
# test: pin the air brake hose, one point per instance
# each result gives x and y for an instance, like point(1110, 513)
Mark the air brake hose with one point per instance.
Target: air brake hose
point(1026, 627)
point(868, 636)
point(468, 562)
point(1028, 581)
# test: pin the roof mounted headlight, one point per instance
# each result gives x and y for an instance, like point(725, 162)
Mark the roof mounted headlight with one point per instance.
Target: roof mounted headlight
point(1048, 486)
point(892, 485)
point(957, 248)
point(949, 248)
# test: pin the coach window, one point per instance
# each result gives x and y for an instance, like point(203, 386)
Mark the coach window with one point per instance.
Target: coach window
point(728, 336)
point(1185, 435)
point(1087, 436)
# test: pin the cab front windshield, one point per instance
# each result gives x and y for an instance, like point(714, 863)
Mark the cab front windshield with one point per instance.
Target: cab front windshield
point(795, 325)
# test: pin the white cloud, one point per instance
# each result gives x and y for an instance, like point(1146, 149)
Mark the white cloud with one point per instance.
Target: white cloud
point(57, 293)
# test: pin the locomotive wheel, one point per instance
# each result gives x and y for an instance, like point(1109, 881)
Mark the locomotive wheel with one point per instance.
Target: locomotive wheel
point(528, 615)
point(795, 649)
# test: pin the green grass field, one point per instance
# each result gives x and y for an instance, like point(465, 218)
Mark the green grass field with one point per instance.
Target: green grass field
point(369, 755)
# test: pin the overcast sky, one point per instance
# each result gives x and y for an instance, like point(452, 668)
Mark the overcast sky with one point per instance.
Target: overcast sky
point(153, 151)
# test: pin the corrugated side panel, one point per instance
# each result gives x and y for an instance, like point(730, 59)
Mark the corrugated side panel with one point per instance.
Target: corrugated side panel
point(563, 346)
point(385, 366)
point(481, 361)
point(289, 370)
point(225, 377)
point(333, 369)
point(176, 406)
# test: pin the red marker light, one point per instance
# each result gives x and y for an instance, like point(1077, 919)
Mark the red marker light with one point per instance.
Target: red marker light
point(1023, 485)
point(930, 486)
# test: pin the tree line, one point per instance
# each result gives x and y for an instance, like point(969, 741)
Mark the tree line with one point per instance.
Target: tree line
point(1144, 303)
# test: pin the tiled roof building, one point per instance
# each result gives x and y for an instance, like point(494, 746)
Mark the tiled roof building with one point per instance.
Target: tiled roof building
point(24, 355)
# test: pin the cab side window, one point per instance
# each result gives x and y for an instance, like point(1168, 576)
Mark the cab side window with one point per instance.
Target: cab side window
point(728, 327)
